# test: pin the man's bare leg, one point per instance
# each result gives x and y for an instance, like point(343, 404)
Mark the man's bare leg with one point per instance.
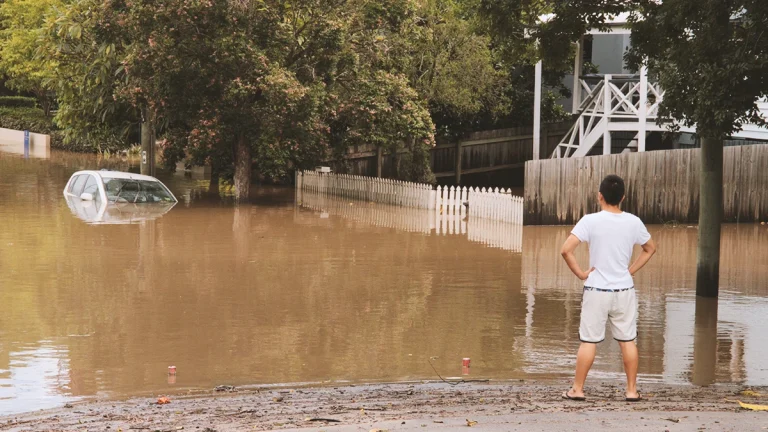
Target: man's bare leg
point(584, 360)
point(629, 354)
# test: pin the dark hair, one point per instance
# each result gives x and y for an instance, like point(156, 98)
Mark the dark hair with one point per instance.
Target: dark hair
point(612, 189)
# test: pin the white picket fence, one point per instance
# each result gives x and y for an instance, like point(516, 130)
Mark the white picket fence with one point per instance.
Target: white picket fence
point(497, 204)
point(494, 204)
point(371, 189)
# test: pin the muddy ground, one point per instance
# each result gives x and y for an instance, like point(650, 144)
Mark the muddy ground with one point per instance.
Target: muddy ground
point(508, 406)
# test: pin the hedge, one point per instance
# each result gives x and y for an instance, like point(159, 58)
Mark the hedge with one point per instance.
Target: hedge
point(17, 101)
point(31, 119)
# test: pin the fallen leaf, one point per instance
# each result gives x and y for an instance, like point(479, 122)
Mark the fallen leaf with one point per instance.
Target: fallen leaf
point(751, 393)
point(672, 419)
point(163, 400)
point(278, 399)
point(437, 421)
point(471, 423)
point(753, 407)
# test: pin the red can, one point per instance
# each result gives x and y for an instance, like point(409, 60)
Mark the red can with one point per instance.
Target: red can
point(171, 370)
point(465, 370)
point(465, 362)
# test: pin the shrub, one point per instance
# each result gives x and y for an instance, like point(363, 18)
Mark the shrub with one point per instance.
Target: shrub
point(17, 101)
point(25, 118)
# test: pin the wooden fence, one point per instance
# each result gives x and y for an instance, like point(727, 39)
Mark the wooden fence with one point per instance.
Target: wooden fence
point(479, 152)
point(495, 204)
point(662, 186)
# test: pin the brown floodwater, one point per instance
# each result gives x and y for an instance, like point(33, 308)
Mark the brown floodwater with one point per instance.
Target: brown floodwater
point(316, 290)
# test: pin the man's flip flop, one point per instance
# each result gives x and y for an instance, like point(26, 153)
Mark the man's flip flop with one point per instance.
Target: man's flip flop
point(637, 399)
point(574, 398)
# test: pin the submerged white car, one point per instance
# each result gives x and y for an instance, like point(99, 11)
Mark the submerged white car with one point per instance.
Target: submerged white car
point(117, 187)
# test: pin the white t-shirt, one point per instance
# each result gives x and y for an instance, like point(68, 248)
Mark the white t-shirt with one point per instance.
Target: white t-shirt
point(611, 238)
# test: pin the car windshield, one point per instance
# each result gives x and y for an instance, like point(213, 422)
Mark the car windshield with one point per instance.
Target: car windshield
point(136, 191)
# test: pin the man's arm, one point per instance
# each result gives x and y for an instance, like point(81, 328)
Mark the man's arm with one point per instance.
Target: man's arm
point(567, 252)
point(649, 248)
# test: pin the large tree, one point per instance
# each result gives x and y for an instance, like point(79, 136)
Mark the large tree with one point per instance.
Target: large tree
point(278, 83)
point(711, 59)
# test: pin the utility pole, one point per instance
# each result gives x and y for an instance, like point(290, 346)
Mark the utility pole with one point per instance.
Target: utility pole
point(147, 142)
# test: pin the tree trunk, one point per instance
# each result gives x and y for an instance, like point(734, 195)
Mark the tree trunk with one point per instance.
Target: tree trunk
point(243, 162)
point(213, 186)
point(704, 342)
point(147, 143)
point(396, 163)
point(710, 217)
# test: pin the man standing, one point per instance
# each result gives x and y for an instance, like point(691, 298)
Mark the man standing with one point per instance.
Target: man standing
point(609, 292)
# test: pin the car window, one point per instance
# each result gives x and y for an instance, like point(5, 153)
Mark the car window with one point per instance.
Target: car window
point(92, 187)
point(72, 182)
point(77, 187)
point(136, 191)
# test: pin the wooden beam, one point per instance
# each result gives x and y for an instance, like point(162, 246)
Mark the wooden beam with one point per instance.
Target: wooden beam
point(607, 108)
point(362, 155)
point(470, 143)
point(481, 170)
point(577, 67)
point(643, 109)
point(537, 112)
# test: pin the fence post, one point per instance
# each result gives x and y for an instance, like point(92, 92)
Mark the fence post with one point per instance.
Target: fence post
point(458, 163)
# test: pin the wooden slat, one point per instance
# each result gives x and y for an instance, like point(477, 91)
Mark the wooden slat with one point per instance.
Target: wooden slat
point(662, 186)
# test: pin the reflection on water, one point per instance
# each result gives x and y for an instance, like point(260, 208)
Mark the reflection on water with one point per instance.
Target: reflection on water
point(34, 377)
point(489, 232)
point(35, 150)
point(277, 293)
point(102, 212)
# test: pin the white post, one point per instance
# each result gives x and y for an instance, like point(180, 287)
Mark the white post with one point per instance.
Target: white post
point(607, 96)
point(643, 108)
point(577, 66)
point(537, 113)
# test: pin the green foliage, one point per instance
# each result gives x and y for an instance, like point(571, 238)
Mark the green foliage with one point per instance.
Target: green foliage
point(85, 78)
point(17, 101)
point(450, 64)
point(21, 27)
point(710, 57)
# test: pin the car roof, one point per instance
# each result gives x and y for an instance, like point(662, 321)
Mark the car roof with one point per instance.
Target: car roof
point(118, 175)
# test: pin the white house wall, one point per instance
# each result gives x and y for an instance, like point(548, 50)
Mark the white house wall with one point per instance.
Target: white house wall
point(607, 54)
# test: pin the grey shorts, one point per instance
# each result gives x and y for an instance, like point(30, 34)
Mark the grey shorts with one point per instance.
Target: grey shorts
point(617, 307)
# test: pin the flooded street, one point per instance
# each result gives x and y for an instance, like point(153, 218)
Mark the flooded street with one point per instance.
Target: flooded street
point(328, 291)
